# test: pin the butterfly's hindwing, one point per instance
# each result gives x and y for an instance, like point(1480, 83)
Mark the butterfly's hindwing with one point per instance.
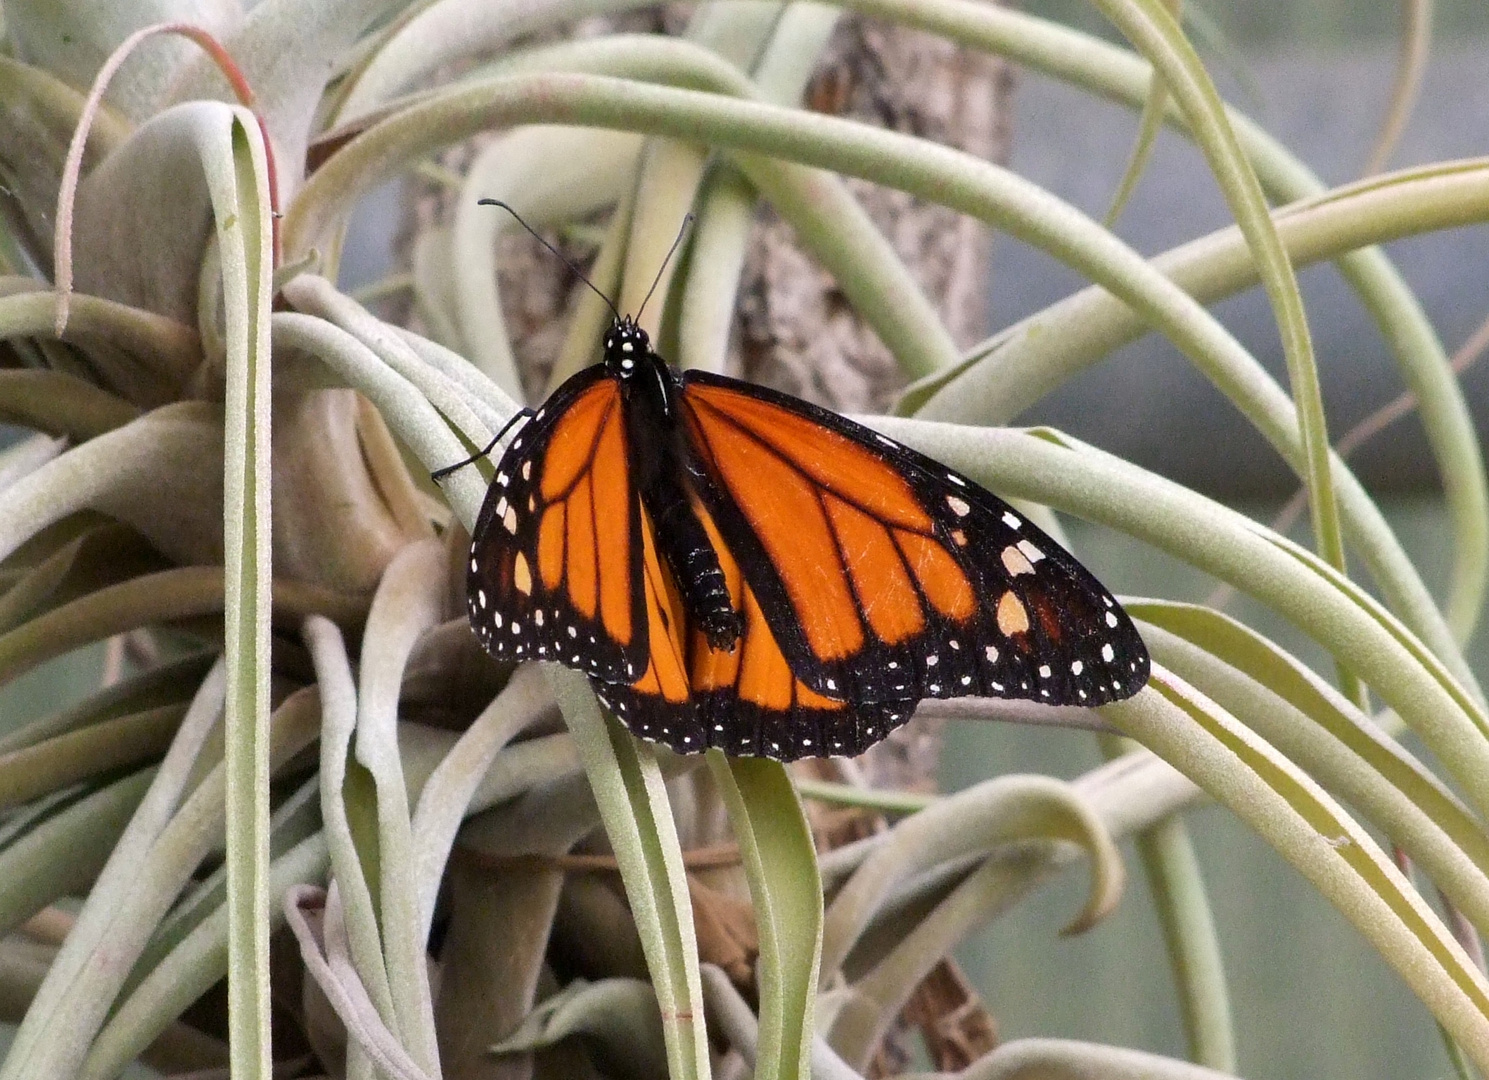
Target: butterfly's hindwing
point(889, 578)
point(745, 701)
point(555, 570)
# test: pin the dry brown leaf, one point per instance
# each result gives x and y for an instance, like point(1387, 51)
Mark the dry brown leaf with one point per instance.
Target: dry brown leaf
point(727, 935)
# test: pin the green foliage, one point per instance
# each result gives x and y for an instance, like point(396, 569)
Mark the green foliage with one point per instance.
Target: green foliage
point(309, 747)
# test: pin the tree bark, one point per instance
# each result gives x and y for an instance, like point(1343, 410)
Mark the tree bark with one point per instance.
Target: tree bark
point(796, 331)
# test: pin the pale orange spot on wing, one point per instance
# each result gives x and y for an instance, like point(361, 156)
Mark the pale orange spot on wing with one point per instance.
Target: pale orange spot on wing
point(551, 546)
point(584, 575)
point(831, 460)
point(1016, 562)
point(885, 591)
point(940, 578)
point(783, 510)
point(569, 449)
point(1012, 616)
point(611, 492)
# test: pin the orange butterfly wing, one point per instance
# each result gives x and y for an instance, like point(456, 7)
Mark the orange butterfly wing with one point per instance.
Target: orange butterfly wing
point(745, 701)
point(866, 576)
point(555, 567)
point(886, 577)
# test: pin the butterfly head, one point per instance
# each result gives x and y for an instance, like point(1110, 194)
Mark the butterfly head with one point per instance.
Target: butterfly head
point(626, 347)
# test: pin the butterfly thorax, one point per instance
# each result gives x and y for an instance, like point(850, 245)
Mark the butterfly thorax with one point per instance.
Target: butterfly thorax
point(665, 477)
point(642, 373)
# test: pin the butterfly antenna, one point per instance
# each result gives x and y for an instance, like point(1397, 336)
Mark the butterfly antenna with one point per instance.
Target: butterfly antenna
point(663, 268)
point(561, 256)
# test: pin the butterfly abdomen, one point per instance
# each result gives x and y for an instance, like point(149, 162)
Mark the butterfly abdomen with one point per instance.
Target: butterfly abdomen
point(695, 566)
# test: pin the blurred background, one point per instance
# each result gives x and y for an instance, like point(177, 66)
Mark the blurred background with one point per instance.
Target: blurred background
point(1310, 998)
point(1318, 78)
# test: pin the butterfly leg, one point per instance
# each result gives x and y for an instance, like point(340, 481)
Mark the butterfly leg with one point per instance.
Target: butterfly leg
point(520, 414)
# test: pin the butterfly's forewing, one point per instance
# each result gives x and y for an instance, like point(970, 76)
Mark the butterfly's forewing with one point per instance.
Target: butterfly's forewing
point(555, 566)
point(886, 577)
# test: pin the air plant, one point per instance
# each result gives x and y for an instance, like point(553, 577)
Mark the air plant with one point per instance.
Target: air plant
point(303, 777)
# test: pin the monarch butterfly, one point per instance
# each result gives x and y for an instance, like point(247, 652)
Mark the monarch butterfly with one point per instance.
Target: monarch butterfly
point(733, 567)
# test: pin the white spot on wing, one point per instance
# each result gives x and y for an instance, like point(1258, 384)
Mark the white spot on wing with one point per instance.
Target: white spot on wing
point(1011, 521)
point(959, 507)
point(1108, 653)
point(1032, 553)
